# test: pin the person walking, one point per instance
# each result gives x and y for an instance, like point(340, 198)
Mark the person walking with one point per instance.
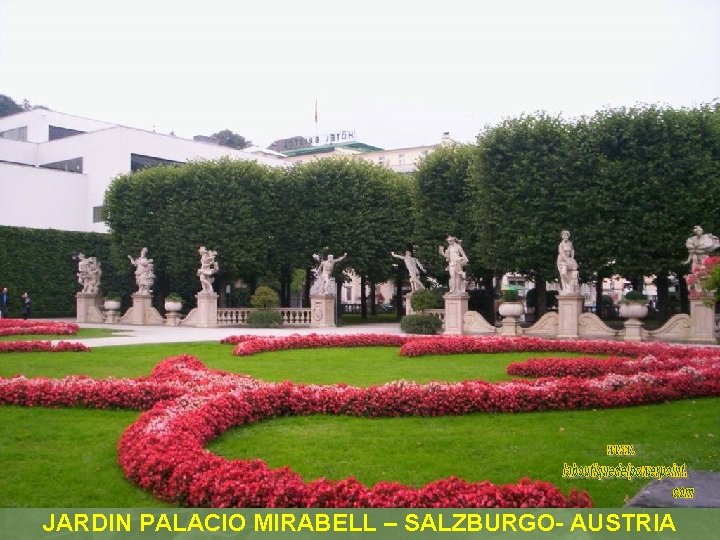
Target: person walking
point(4, 302)
point(25, 305)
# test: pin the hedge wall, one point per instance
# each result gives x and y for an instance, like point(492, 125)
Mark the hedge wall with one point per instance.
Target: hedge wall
point(41, 262)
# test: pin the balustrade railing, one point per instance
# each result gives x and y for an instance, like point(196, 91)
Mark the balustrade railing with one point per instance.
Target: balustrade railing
point(239, 316)
point(439, 313)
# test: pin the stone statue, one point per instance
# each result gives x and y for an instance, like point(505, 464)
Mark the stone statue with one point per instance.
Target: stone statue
point(567, 266)
point(699, 247)
point(89, 273)
point(324, 282)
point(208, 267)
point(413, 267)
point(456, 259)
point(144, 272)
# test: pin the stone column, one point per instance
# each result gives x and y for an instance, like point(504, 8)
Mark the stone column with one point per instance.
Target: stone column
point(702, 323)
point(456, 306)
point(570, 307)
point(88, 307)
point(207, 309)
point(322, 311)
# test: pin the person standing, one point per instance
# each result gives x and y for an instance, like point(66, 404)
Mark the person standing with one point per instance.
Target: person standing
point(4, 302)
point(25, 305)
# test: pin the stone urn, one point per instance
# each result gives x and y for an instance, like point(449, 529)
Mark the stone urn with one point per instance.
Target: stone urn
point(511, 309)
point(112, 305)
point(173, 306)
point(633, 310)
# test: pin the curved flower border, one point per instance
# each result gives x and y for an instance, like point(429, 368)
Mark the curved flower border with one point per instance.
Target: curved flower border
point(42, 346)
point(188, 405)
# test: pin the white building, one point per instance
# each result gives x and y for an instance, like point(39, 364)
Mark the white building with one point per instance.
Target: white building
point(55, 167)
point(402, 160)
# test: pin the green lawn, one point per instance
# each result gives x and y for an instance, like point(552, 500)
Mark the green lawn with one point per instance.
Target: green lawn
point(67, 457)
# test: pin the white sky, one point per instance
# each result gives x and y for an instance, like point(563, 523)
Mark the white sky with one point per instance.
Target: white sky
point(399, 72)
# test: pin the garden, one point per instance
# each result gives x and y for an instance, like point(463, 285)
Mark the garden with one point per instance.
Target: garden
point(334, 421)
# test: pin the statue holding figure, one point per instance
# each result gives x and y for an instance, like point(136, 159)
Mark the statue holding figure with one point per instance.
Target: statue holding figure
point(456, 259)
point(144, 272)
point(208, 267)
point(89, 273)
point(699, 247)
point(324, 282)
point(413, 267)
point(567, 265)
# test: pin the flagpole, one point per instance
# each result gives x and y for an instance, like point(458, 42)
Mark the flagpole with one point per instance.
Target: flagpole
point(316, 121)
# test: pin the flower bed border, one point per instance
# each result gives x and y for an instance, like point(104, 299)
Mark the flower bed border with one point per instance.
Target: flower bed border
point(188, 405)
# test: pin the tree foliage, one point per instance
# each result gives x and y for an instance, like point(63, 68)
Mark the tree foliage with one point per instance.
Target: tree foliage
point(231, 139)
point(355, 207)
point(442, 201)
point(8, 106)
point(224, 205)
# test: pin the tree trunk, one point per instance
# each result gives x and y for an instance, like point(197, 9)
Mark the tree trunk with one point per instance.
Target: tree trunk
point(684, 298)
point(541, 298)
point(662, 284)
point(399, 308)
point(599, 296)
point(363, 298)
point(338, 302)
point(306, 288)
point(373, 305)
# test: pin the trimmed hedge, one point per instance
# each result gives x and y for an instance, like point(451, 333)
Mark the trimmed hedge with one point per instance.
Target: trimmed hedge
point(40, 261)
point(264, 319)
point(420, 324)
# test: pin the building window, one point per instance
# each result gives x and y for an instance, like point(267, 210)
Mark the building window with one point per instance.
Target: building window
point(56, 132)
point(15, 134)
point(138, 162)
point(98, 214)
point(70, 165)
point(401, 159)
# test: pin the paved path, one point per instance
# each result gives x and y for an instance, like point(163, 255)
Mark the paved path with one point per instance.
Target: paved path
point(135, 335)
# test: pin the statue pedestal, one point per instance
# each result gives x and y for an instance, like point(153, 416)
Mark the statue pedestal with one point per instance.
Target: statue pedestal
point(141, 304)
point(206, 309)
point(172, 318)
point(702, 323)
point(88, 308)
point(112, 316)
point(456, 306)
point(408, 304)
point(570, 307)
point(322, 311)
point(632, 330)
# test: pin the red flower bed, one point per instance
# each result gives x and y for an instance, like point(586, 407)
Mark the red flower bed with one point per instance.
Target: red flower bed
point(498, 344)
point(13, 327)
point(164, 450)
point(41, 346)
point(188, 405)
point(248, 345)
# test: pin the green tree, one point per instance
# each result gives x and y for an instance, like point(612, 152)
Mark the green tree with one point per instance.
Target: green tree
point(525, 180)
point(660, 166)
point(231, 139)
point(8, 106)
point(442, 200)
point(225, 205)
point(355, 207)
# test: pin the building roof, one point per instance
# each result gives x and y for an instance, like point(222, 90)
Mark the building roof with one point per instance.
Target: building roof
point(357, 147)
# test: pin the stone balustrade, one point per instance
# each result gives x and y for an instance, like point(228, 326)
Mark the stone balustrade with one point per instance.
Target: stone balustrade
point(239, 316)
point(439, 313)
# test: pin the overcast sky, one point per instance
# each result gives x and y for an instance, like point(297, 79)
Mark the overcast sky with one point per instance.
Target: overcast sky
point(398, 72)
